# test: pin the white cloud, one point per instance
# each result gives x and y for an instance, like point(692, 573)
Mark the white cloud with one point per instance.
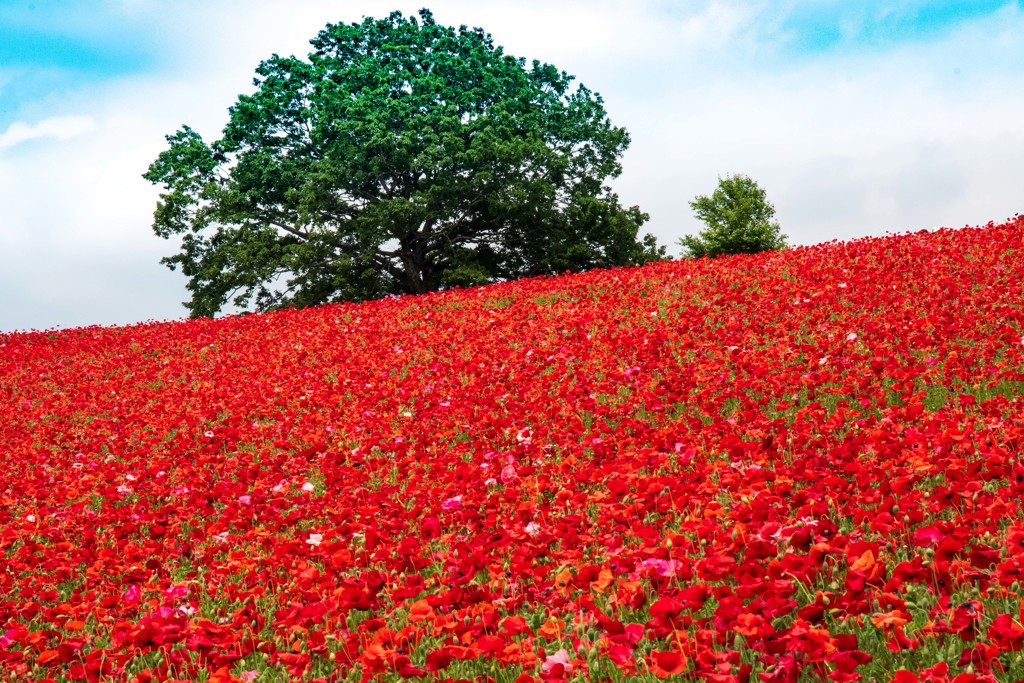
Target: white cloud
point(845, 144)
point(60, 127)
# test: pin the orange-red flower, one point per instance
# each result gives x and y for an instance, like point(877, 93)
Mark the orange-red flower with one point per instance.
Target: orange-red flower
point(666, 663)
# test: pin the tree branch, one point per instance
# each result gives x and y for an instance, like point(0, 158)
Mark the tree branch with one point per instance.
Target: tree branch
point(301, 234)
point(389, 267)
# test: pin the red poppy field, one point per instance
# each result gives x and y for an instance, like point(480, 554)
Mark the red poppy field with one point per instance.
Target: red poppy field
point(794, 466)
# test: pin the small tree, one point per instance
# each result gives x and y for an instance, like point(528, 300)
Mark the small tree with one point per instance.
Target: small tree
point(739, 219)
point(403, 156)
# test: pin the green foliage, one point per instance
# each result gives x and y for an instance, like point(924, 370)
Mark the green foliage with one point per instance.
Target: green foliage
point(403, 156)
point(739, 219)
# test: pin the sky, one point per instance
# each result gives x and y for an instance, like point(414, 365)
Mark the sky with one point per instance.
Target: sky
point(857, 118)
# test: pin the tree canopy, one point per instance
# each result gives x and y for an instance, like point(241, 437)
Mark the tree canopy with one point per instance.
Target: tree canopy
point(402, 156)
point(739, 219)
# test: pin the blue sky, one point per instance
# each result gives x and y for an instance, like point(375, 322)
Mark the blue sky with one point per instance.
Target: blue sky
point(858, 118)
point(829, 25)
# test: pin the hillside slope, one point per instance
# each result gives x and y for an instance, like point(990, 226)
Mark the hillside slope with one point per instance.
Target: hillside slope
point(795, 464)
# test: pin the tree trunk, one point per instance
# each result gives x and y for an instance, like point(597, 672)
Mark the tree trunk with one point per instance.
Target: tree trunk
point(417, 273)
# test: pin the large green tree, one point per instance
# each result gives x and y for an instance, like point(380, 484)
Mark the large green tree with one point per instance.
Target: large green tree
point(739, 219)
point(403, 156)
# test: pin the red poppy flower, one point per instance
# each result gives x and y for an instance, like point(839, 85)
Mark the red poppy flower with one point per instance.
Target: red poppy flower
point(666, 663)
